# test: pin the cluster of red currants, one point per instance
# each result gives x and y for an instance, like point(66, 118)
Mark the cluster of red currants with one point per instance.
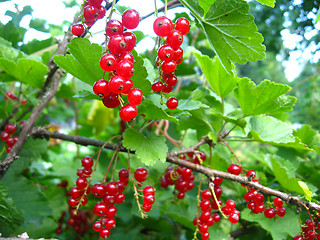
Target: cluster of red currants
point(92, 11)
point(170, 54)
point(7, 137)
point(12, 96)
point(78, 222)
point(255, 201)
point(310, 229)
point(118, 62)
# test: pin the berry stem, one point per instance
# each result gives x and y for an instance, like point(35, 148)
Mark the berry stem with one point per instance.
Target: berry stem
point(165, 7)
point(211, 186)
point(173, 141)
point(110, 163)
point(233, 153)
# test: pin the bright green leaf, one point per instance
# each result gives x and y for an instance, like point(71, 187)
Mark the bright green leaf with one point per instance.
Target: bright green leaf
point(83, 62)
point(141, 78)
point(205, 5)
point(265, 98)
point(220, 80)
point(306, 190)
point(308, 136)
point(190, 104)
point(25, 70)
point(149, 148)
point(269, 3)
point(230, 30)
point(279, 228)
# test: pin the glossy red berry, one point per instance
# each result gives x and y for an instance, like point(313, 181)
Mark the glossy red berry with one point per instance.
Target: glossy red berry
point(135, 96)
point(278, 202)
point(98, 190)
point(125, 69)
point(230, 204)
point(123, 175)
point(146, 207)
point(114, 27)
point(76, 192)
point(251, 173)
point(174, 39)
point(108, 62)
point(128, 112)
point(269, 213)
point(111, 101)
point(157, 86)
point(127, 86)
point(126, 56)
point(117, 44)
point(97, 226)
point(130, 40)
point(111, 211)
point(116, 84)
point(77, 29)
point(101, 88)
point(206, 194)
point(167, 88)
point(73, 202)
point(100, 209)
point(162, 26)
point(172, 103)
point(130, 18)
point(182, 24)
point(234, 218)
point(90, 13)
point(87, 162)
point(104, 233)
point(165, 53)
point(95, 3)
point(112, 188)
point(4, 136)
point(234, 169)
point(281, 211)
point(172, 80)
point(148, 190)
point(10, 128)
point(141, 174)
point(169, 67)
point(11, 141)
point(101, 12)
point(81, 182)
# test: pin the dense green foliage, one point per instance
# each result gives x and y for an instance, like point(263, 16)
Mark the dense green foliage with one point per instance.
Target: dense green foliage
point(271, 124)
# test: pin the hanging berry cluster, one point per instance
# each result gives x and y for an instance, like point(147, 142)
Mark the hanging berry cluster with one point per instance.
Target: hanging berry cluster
point(310, 230)
point(118, 62)
point(170, 54)
point(92, 11)
point(181, 177)
point(7, 135)
point(12, 96)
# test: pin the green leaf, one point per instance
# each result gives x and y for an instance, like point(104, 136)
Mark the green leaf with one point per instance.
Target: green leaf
point(269, 129)
point(230, 30)
point(205, 5)
point(25, 70)
point(306, 190)
point(279, 228)
point(269, 3)
point(265, 98)
point(16, 17)
point(220, 80)
point(308, 136)
point(7, 51)
point(149, 148)
point(141, 78)
point(12, 33)
point(284, 171)
point(153, 112)
point(190, 104)
point(235, 120)
point(83, 62)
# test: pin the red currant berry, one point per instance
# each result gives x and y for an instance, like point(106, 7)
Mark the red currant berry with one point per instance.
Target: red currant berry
point(278, 202)
point(146, 207)
point(128, 112)
point(162, 26)
point(281, 211)
point(298, 237)
point(169, 67)
point(81, 182)
point(130, 40)
point(249, 196)
point(172, 103)
point(130, 18)
point(87, 162)
point(269, 213)
point(108, 62)
point(10, 128)
point(110, 223)
point(114, 27)
point(234, 169)
point(216, 217)
point(205, 236)
point(98, 190)
point(234, 218)
point(258, 198)
point(111, 101)
point(97, 226)
point(112, 188)
point(101, 12)
point(104, 233)
point(203, 228)
point(120, 198)
point(127, 86)
point(4, 136)
point(90, 13)
point(141, 174)
point(148, 190)
point(101, 88)
point(157, 86)
point(165, 53)
point(135, 96)
point(117, 44)
point(251, 173)
point(72, 202)
point(175, 39)
point(205, 204)
point(77, 29)
point(95, 3)
point(11, 96)
point(111, 211)
point(100, 209)
point(116, 84)
point(126, 56)
point(230, 204)
point(206, 194)
point(172, 80)
point(125, 69)
point(178, 54)
point(76, 192)
point(123, 175)
point(10, 141)
point(167, 88)
point(148, 200)
point(182, 24)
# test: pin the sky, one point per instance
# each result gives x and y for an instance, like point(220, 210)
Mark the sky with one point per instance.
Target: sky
point(55, 13)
